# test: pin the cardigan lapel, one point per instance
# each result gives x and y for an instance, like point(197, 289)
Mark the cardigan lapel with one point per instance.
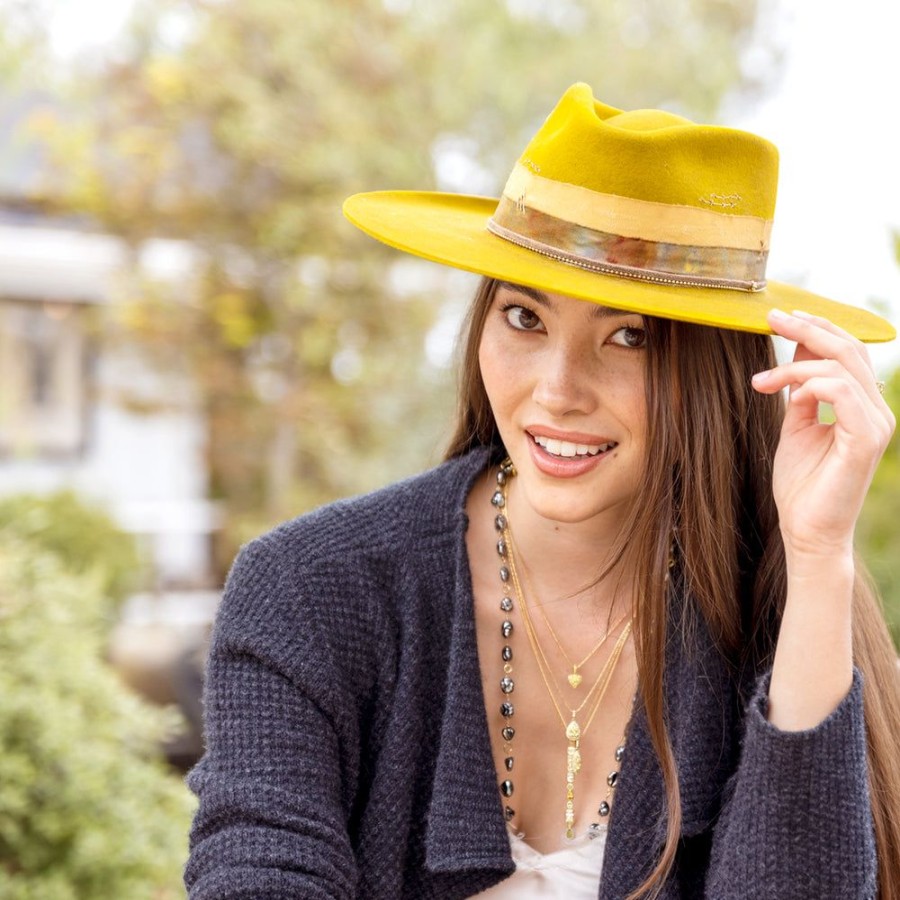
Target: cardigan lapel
point(465, 829)
point(702, 714)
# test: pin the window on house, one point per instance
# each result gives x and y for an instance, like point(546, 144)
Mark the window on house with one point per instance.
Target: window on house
point(42, 378)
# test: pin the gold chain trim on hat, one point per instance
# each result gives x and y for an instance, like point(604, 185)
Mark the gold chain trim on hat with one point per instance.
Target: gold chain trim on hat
point(567, 234)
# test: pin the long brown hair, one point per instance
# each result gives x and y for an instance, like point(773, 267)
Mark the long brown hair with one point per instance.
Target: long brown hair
point(709, 483)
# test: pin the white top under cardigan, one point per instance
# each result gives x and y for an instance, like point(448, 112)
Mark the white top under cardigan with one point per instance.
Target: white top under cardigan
point(572, 873)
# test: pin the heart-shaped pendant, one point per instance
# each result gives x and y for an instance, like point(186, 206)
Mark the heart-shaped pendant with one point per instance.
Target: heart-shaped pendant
point(574, 679)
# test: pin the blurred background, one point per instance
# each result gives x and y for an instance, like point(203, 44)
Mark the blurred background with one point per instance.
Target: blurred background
point(194, 345)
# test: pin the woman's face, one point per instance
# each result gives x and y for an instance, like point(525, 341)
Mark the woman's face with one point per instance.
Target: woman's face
point(565, 380)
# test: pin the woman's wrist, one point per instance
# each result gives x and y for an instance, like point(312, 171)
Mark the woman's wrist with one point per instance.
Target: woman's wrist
point(808, 561)
point(814, 655)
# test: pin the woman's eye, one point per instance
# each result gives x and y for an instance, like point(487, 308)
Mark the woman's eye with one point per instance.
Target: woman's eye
point(522, 318)
point(630, 336)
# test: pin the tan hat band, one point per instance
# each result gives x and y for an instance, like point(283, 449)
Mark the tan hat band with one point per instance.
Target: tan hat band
point(713, 222)
point(613, 254)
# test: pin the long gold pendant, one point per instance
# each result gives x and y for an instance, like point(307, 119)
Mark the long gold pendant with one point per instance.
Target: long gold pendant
point(573, 765)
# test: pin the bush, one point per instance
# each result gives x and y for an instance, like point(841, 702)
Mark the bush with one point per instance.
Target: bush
point(87, 807)
point(83, 537)
point(878, 536)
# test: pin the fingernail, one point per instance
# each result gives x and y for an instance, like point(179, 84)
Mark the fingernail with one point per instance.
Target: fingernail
point(778, 314)
point(762, 376)
point(802, 315)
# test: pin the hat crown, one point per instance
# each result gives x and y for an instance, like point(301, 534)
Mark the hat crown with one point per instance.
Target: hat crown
point(646, 120)
point(654, 155)
point(643, 211)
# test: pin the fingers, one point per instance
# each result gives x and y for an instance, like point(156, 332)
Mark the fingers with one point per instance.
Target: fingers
point(857, 417)
point(820, 337)
point(820, 341)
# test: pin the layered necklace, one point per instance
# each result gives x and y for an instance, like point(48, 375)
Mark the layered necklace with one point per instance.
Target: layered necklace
point(586, 710)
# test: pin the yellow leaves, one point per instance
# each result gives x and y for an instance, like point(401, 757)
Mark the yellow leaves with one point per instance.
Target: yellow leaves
point(138, 142)
point(166, 80)
point(234, 318)
point(133, 315)
point(316, 344)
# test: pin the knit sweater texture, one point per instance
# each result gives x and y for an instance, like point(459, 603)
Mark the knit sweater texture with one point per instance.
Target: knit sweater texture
point(348, 753)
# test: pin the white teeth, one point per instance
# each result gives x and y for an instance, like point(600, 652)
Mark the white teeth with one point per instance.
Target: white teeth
point(567, 449)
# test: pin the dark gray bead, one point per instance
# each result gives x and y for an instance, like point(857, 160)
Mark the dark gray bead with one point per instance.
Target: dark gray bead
point(508, 762)
point(502, 477)
point(620, 753)
point(500, 523)
point(506, 653)
point(498, 499)
point(501, 547)
point(508, 733)
point(504, 574)
point(507, 710)
point(612, 778)
point(509, 812)
point(506, 788)
point(506, 604)
point(604, 809)
point(506, 629)
point(507, 685)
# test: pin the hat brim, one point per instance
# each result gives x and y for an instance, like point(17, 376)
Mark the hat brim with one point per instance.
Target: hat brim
point(451, 229)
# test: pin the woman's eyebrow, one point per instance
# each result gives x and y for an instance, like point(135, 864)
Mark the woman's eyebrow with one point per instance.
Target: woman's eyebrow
point(536, 295)
point(598, 312)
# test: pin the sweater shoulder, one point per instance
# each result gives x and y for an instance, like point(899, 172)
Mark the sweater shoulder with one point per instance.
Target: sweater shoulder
point(324, 590)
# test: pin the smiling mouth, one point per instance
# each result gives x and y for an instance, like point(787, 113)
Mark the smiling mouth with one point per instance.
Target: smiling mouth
point(569, 450)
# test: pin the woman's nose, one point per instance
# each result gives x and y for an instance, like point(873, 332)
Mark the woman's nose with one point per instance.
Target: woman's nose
point(564, 381)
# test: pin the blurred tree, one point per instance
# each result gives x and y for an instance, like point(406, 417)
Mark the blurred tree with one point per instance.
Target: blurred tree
point(88, 808)
point(22, 43)
point(240, 127)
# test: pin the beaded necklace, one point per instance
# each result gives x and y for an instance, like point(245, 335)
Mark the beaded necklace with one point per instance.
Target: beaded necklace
point(507, 684)
point(573, 730)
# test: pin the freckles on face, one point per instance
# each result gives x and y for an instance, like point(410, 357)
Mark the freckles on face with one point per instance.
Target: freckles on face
point(565, 380)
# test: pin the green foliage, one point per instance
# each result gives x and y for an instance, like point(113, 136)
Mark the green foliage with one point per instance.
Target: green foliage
point(87, 808)
point(84, 538)
point(241, 126)
point(877, 533)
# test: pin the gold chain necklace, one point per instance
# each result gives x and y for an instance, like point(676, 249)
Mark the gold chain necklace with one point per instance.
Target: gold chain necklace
point(574, 677)
point(573, 730)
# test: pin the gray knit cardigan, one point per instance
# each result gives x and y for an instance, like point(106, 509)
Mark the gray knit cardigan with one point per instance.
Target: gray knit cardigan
point(348, 753)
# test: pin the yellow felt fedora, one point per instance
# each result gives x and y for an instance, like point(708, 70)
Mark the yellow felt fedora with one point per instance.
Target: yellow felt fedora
point(642, 210)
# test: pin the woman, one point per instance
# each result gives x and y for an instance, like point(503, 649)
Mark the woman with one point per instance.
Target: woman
point(618, 644)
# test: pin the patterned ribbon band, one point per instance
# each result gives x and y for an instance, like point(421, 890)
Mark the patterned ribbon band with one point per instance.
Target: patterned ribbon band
point(519, 220)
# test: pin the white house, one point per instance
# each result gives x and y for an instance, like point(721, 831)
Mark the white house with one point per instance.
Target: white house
point(61, 423)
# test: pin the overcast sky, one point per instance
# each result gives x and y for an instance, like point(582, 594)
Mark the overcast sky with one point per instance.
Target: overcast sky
point(834, 119)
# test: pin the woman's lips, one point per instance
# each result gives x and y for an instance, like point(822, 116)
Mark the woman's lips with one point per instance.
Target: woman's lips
point(568, 458)
point(568, 448)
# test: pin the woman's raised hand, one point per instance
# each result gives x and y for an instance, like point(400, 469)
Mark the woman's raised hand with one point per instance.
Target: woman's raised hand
point(821, 474)
point(823, 471)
